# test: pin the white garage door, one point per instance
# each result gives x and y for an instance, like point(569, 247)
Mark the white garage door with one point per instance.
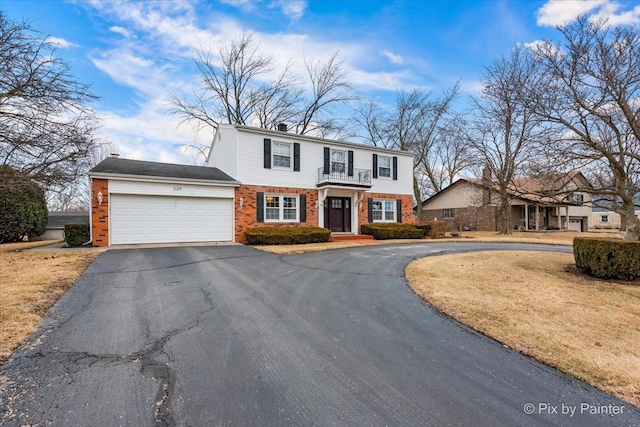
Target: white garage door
point(161, 219)
point(575, 224)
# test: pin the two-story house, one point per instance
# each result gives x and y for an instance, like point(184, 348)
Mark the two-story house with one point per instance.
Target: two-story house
point(552, 202)
point(253, 177)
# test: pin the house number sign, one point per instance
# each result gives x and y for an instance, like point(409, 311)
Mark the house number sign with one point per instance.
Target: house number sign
point(177, 188)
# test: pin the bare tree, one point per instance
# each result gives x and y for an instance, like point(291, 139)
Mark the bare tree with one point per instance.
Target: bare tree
point(591, 95)
point(506, 130)
point(46, 125)
point(416, 124)
point(237, 87)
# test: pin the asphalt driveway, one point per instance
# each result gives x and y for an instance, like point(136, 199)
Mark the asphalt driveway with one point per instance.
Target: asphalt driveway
point(228, 335)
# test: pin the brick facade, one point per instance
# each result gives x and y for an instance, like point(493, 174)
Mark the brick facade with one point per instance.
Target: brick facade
point(483, 218)
point(100, 212)
point(246, 216)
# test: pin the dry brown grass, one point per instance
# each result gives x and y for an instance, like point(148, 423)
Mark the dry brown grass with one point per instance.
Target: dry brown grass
point(309, 247)
point(19, 246)
point(585, 327)
point(30, 283)
point(551, 238)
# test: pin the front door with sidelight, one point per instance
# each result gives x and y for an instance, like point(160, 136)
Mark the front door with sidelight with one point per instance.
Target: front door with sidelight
point(337, 214)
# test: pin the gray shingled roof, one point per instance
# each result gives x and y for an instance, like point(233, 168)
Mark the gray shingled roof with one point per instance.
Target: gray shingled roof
point(114, 165)
point(60, 219)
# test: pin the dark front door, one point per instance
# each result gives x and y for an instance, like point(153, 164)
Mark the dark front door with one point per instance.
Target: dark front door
point(337, 214)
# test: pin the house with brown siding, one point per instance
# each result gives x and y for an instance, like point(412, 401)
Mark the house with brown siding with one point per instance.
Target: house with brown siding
point(537, 203)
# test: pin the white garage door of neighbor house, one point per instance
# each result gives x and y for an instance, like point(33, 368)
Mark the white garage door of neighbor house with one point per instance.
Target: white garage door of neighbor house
point(575, 224)
point(161, 219)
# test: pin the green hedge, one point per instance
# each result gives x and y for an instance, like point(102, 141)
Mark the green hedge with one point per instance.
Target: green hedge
point(608, 258)
point(23, 207)
point(384, 231)
point(286, 235)
point(76, 234)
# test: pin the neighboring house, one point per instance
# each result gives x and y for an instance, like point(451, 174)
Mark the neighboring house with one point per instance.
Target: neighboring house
point(254, 177)
point(552, 202)
point(603, 218)
point(57, 221)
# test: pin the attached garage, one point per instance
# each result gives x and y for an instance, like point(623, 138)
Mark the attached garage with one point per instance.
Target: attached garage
point(162, 219)
point(177, 204)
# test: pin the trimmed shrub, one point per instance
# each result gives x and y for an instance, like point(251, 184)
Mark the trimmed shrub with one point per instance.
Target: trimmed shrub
point(608, 258)
point(392, 230)
point(433, 229)
point(23, 208)
point(76, 234)
point(286, 235)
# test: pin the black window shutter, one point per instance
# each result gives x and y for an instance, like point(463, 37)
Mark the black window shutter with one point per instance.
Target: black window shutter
point(350, 164)
point(260, 207)
point(327, 153)
point(395, 168)
point(267, 153)
point(375, 166)
point(303, 208)
point(399, 210)
point(370, 208)
point(296, 156)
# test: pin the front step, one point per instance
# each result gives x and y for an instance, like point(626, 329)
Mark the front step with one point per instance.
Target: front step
point(349, 237)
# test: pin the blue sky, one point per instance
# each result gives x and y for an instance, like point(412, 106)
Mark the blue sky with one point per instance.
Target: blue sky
point(135, 53)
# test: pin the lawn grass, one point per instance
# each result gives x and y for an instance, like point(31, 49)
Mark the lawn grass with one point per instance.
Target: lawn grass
point(534, 303)
point(30, 283)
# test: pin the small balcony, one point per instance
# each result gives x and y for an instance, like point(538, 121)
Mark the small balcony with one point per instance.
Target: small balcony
point(339, 176)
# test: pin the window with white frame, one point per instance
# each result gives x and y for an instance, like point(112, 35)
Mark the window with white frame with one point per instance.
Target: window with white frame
point(281, 155)
point(338, 161)
point(604, 218)
point(383, 211)
point(448, 213)
point(576, 198)
point(384, 167)
point(281, 208)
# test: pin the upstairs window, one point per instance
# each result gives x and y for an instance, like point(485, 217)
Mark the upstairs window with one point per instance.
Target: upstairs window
point(576, 198)
point(338, 161)
point(281, 155)
point(384, 167)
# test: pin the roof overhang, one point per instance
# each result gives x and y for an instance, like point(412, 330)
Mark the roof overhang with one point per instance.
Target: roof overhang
point(162, 179)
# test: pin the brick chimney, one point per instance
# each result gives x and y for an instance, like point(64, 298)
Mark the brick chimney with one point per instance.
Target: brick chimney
point(282, 127)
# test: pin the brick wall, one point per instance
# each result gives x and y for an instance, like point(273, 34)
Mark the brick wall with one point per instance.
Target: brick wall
point(408, 217)
point(100, 212)
point(482, 218)
point(246, 217)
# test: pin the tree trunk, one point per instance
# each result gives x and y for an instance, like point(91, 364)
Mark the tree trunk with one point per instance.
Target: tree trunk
point(504, 215)
point(418, 197)
point(631, 223)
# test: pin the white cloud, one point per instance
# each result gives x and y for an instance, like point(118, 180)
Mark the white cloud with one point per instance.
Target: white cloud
point(394, 58)
point(472, 87)
point(294, 9)
point(60, 42)
point(120, 30)
point(559, 12)
point(611, 13)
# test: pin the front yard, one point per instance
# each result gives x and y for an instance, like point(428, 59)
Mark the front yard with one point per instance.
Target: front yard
point(532, 303)
point(31, 282)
